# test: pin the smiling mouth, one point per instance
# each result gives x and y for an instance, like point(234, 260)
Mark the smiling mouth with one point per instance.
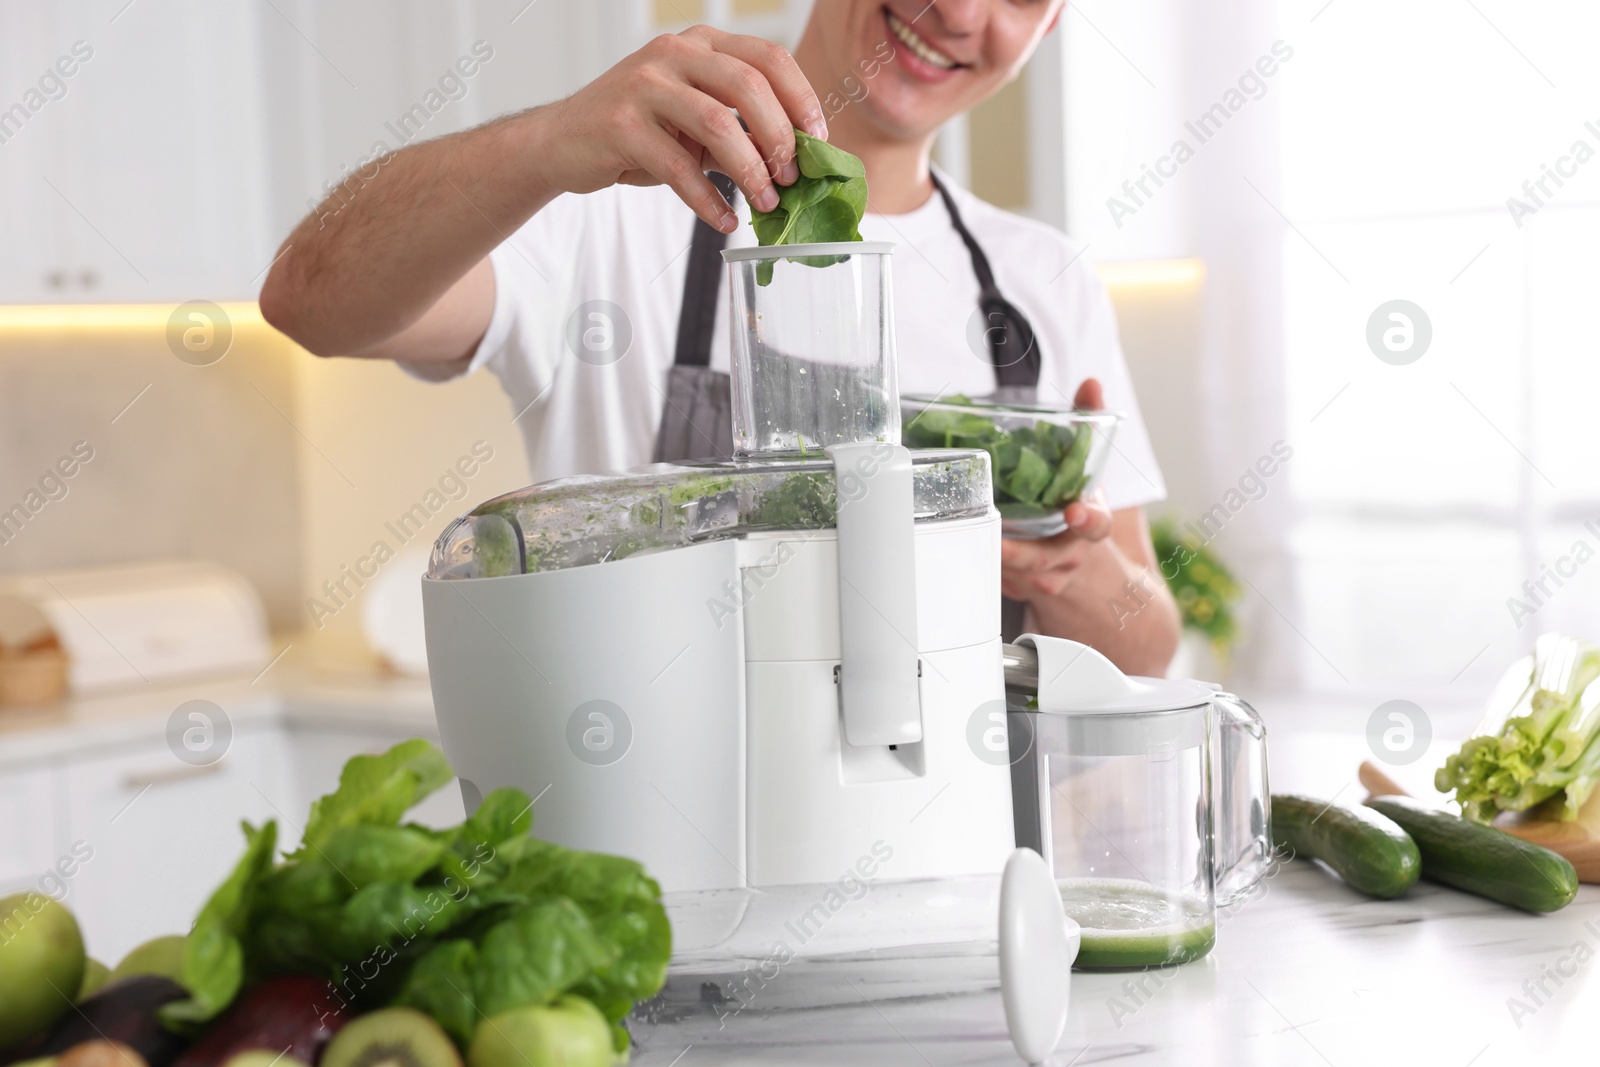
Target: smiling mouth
point(911, 39)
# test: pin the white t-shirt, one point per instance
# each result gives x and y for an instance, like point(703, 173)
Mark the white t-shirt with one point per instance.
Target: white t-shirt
point(630, 246)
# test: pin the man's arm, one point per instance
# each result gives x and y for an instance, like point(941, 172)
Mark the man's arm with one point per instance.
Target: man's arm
point(395, 266)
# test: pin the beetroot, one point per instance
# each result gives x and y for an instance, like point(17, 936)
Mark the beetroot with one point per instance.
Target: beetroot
point(296, 1016)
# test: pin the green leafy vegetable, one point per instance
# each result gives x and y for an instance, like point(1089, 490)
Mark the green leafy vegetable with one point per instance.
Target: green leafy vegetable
point(824, 204)
point(1036, 469)
point(441, 985)
point(377, 790)
point(213, 957)
point(459, 923)
point(537, 954)
point(1539, 737)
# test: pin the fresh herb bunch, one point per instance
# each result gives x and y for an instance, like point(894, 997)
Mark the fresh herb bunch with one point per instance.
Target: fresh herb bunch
point(459, 923)
point(1200, 582)
point(1539, 738)
point(1036, 469)
point(824, 204)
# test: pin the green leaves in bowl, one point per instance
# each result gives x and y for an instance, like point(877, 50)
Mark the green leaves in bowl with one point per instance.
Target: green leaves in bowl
point(1036, 469)
point(824, 204)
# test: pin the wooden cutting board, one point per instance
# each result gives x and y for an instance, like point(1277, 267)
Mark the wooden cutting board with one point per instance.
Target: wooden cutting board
point(1578, 840)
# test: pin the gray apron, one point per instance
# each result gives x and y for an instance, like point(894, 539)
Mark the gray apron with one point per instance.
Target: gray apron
point(697, 415)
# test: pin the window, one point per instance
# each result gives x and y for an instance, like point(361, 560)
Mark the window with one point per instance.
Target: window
point(1427, 494)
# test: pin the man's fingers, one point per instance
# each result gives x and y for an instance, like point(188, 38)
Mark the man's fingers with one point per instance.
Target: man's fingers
point(1089, 518)
point(674, 166)
point(1090, 397)
point(1026, 555)
point(799, 100)
point(708, 121)
point(1051, 583)
point(738, 84)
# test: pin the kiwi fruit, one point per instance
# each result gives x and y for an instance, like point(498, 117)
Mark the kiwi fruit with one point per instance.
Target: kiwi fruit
point(41, 964)
point(392, 1037)
point(260, 1057)
point(571, 1032)
point(161, 956)
point(95, 975)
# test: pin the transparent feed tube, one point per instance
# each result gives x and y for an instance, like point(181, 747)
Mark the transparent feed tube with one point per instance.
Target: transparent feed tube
point(813, 350)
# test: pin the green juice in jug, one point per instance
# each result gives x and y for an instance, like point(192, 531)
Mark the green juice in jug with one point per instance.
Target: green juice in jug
point(1127, 923)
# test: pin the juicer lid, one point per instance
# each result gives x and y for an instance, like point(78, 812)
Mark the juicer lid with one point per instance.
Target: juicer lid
point(1074, 679)
point(577, 521)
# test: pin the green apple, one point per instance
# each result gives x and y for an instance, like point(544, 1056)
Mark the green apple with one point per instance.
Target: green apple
point(160, 956)
point(41, 964)
point(569, 1033)
point(95, 975)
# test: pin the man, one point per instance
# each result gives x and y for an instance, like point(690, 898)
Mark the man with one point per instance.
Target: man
point(471, 250)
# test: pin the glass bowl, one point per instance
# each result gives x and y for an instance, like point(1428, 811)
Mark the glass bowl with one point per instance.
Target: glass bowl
point(1042, 456)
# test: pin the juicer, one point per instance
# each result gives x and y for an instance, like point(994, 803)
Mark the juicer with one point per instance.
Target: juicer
point(763, 672)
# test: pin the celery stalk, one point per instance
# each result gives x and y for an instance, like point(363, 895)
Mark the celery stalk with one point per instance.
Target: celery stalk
point(1537, 738)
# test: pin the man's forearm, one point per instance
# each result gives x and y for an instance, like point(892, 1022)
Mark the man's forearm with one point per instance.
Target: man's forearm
point(395, 237)
point(1117, 605)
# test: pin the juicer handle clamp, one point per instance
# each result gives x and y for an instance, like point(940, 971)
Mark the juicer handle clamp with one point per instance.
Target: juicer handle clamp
point(878, 670)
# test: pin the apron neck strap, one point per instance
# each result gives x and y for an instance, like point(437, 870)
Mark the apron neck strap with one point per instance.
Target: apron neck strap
point(1013, 349)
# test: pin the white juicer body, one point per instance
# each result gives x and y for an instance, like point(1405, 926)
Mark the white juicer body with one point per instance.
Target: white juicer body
point(682, 708)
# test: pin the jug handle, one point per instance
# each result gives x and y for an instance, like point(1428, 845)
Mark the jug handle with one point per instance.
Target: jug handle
point(1241, 832)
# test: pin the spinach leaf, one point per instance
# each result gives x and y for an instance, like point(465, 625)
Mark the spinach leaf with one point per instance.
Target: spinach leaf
point(385, 912)
point(213, 957)
point(824, 204)
point(377, 790)
point(504, 814)
point(539, 953)
point(441, 986)
point(367, 854)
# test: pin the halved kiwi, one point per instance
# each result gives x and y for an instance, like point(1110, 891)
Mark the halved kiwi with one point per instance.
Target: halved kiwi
point(393, 1037)
point(263, 1057)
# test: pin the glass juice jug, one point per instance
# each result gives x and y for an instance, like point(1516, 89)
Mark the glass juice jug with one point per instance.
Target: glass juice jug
point(1148, 797)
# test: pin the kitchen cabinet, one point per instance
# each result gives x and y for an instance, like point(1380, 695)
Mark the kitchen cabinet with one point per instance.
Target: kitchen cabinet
point(131, 166)
point(29, 842)
point(146, 837)
point(163, 834)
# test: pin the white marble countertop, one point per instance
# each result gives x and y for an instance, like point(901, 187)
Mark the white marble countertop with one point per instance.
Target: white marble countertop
point(289, 695)
point(1305, 972)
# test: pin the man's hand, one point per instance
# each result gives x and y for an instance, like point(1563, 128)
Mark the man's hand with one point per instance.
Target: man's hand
point(1031, 569)
point(1096, 581)
point(661, 117)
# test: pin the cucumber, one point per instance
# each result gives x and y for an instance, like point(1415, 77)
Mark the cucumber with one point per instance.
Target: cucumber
point(1481, 859)
point(1364, 848)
